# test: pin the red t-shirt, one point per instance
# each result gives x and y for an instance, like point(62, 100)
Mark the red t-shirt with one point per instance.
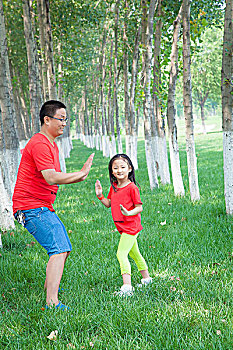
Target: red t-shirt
point(31, 190)
point(128, 196)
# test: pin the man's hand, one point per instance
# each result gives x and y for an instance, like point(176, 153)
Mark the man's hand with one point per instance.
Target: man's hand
point(87, 166)
point(98, 188)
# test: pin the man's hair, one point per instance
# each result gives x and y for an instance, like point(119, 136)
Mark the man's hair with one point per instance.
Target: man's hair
point(50, 108)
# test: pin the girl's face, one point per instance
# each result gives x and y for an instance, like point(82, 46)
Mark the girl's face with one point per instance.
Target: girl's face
point(121, 169)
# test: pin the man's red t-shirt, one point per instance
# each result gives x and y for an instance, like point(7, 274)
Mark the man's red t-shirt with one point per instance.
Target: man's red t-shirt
point(128, 196)
point(31, 190)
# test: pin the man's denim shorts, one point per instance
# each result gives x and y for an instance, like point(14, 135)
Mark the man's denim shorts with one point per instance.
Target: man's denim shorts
point(48, 230)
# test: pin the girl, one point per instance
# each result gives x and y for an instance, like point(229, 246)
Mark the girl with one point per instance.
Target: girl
point(126, 206)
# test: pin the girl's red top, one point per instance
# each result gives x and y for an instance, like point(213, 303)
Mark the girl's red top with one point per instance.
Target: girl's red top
point(128, 196)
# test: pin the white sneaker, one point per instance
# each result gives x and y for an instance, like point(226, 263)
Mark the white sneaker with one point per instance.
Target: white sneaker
point(125, 291)
point(145, 282)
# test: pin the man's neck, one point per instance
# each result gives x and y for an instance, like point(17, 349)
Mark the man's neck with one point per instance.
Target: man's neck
point(49, 137)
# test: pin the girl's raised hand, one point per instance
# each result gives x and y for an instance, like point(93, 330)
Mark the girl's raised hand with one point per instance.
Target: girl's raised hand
point(98, 188)
point(123, 210)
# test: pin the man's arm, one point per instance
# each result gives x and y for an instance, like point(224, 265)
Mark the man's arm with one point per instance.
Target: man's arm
point(53, 177)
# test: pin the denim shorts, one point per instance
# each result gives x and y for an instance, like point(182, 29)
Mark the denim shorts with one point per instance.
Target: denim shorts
point(48, 230)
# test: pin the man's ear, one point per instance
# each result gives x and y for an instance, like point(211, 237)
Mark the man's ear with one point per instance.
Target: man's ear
point(46, 120)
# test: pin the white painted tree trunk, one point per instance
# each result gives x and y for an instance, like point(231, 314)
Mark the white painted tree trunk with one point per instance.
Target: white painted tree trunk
point(163, 161)
point(228, 173)
point(152, 172)
point(175, 167)
point(92, 141)
point(61, 155)
point(107, 147)
point(67, 146)
point(13, 159)
point(5, 172)
point(192, 168)
point(6, 213)
point(155, 152)
point(112, 148)
point(128, 141)
point(97, 146)
point(104, 145)
point(22, 144)
point(119, 144)
point(134, 151)
point(227, 105)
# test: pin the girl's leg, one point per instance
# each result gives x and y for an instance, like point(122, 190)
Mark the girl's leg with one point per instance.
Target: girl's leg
point(125, 245)
point(139, 260)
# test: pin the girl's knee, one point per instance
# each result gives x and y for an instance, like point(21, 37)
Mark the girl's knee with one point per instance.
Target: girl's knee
point(121, 255)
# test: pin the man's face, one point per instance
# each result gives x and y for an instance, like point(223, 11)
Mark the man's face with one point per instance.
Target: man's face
point(56, 126)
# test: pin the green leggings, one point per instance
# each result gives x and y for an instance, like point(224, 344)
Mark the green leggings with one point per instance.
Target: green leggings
point(128, 245)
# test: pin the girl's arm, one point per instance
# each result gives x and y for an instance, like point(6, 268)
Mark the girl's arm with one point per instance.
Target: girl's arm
point(135, 211)
point(100, 196)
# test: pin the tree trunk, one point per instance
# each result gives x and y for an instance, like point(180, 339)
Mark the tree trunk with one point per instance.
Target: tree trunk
point(171, 113)
point(203, 118)
point(44, 78)
point(20, 122)
point(159, 145)
point(111, 104)
point(47, 46)
point(187, 100)
point(101, 89)
point(33, 68)
point(126, 83)
point(134, 74)
point(147, 33)
point(116, 78)
point(9, 150)
point(227, 106)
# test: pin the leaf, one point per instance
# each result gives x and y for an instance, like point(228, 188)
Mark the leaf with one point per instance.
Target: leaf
point(53, 335)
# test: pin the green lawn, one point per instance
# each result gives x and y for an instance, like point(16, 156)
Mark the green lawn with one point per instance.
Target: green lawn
point(188, 306)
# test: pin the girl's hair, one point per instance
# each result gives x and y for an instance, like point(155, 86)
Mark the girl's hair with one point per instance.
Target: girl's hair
point(131, 175)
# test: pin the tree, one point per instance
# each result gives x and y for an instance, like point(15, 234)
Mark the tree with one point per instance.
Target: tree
point(227, 105)
point(9, 150)
point(35, 92)
point(147, 33)
point(171, 113)
point(187, 100)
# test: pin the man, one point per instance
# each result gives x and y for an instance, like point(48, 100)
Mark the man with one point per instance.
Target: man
point(38, 178)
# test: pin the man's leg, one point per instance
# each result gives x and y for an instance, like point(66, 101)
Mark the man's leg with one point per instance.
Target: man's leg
point(54, 273)
point(45, 283)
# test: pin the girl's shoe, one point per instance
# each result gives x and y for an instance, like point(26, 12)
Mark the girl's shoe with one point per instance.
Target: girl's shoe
point(125, 291)
point(145, 282)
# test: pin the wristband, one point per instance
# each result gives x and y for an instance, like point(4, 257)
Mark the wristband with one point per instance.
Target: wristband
point(101, 197)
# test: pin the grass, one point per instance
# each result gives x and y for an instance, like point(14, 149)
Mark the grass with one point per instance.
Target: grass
point(189, 305)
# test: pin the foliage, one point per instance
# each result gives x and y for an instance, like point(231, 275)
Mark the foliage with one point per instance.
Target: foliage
point(206, 66)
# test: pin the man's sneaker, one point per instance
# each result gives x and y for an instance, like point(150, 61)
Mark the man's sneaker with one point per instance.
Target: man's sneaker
point(144, 282)
point(125, 291)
